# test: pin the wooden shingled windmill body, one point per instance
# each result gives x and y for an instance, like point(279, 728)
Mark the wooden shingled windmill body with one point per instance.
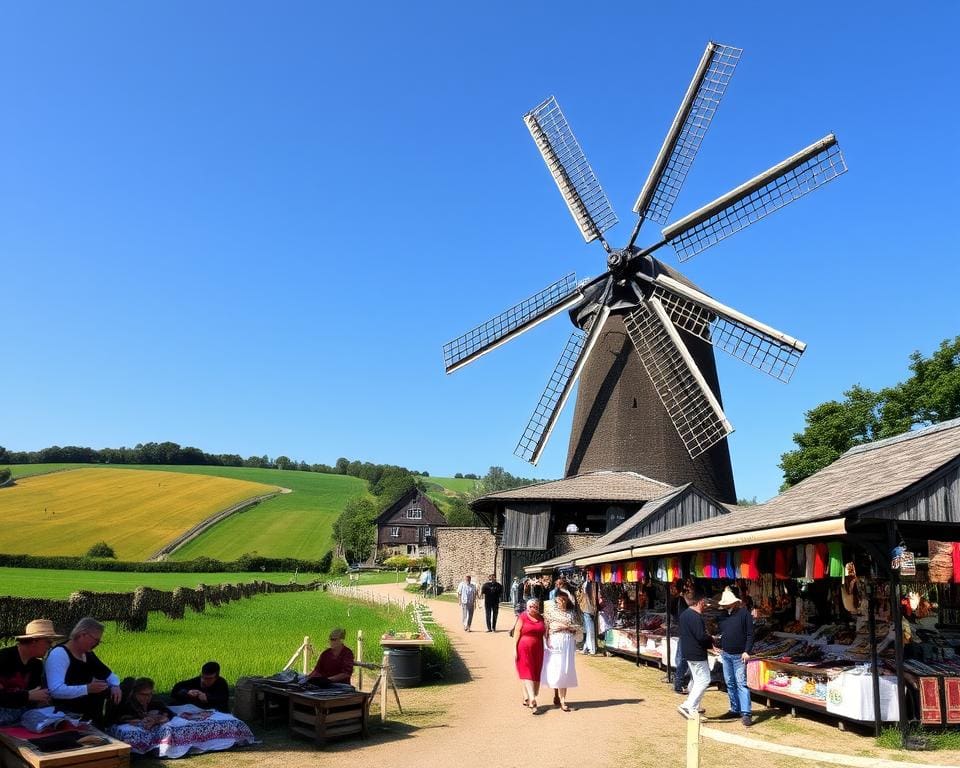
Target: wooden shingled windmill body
point(643, 338)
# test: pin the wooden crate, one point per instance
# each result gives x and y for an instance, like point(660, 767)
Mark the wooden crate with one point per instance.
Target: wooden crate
point(20, 753)
point(323, 719)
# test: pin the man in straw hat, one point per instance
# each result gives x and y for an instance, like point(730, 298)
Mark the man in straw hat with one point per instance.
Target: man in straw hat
point(21, 669)
point(736, 643)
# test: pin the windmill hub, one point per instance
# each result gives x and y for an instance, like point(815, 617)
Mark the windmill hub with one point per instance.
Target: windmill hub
point(616, 261)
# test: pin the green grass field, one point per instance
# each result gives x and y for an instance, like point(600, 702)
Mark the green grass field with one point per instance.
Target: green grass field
point(456, 485)
point(43, 582)
point(297, 524)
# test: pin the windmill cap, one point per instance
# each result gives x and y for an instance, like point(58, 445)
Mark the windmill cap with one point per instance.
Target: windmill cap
point(40, 629)
point(728, 598)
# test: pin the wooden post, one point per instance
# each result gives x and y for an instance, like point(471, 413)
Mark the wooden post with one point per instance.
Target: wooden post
point(385, 673)
point(359, 658)
point(306, 653)
point(693, 741)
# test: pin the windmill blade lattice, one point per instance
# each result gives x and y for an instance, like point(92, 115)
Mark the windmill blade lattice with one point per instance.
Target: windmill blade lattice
point(746, 339)
point(530, 444)
point(553, 299)
point(691, 405)
point(690, 125)
point(790, 180)
point(588, 204)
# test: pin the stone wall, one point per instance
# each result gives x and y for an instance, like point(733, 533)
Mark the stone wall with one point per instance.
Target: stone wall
point(571, 542)
point(465, 550)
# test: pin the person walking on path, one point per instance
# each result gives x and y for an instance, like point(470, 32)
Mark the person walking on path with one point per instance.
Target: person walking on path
point(467, 597)
point(515, 590)
point(559, 658)
point(491, 592)
point(529, 632)
point(694, 641)
point(736, 643)
point(681, 674)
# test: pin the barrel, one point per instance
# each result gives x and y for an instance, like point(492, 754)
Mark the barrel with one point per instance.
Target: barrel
point(404, 666)
point(245, 699)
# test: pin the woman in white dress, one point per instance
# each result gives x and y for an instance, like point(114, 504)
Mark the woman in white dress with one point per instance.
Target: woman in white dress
point(559, 658)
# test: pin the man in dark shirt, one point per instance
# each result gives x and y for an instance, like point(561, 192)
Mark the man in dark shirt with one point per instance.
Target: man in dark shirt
point(681, 674)
point(736, 643)
point(208, 691)
point(694, 643)
point(491, 591)
point(21, 670)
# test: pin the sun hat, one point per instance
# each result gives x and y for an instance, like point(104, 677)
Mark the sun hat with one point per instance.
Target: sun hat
point(40, 629)
point(728, 598)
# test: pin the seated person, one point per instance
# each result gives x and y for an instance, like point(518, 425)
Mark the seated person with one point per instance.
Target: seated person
point(21, 670)
point(140, 708)
point(207, 691)
point(78, 681)
point(335, 664)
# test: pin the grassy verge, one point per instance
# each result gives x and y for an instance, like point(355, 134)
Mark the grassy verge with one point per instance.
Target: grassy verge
point(890, 738)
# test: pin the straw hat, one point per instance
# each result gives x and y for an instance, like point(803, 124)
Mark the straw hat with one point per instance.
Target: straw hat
point(728, 598)
point(40, 629)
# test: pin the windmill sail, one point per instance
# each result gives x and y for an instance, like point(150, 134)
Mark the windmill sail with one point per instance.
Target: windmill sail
point(558, 389)
point(762, 195)
point(588, 204)
point(690, 125)
point(498, 330)
point(746, 339)
point(692, 407)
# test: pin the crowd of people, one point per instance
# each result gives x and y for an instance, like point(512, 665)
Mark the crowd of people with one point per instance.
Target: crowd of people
point(47, 669)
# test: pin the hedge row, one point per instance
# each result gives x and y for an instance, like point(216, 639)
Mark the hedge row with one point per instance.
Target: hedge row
point(246, 563)
point(129, 609)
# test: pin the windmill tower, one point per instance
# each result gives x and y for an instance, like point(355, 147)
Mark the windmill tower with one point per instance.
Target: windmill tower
point(643, 337)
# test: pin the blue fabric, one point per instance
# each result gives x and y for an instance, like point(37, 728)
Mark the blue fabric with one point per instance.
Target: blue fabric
point(589, 642)
point(735, 676)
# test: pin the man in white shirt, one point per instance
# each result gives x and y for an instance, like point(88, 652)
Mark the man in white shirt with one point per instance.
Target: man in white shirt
point(467, 596)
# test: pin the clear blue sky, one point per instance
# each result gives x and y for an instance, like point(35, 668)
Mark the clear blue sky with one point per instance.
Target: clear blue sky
point(250, 227)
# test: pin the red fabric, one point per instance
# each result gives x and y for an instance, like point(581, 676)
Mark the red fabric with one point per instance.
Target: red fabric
point(956, 562)
point(18, 732)
point(930, 701)
point(951, 687)
point(781, 569)
point(749, 564)
point(821, 560)
point(329, 665)
point(530, 647)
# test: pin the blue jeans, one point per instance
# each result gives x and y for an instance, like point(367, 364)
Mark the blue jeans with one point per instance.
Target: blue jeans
point(589, 642)
point(735, 676)
point(680, 672)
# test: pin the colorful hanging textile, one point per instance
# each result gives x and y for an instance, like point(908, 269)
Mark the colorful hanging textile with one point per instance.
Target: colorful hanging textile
point(606, 573)
point(835, 569)
point(661, 573)
point(709, 565)
point(820, 555)
point(781, 559)
point(739, 565)
point(677, 568)
point(630, 573)
point(750, 568)
point(956, 562)
point(808, 556)
point(729, 567)
point(618, 573)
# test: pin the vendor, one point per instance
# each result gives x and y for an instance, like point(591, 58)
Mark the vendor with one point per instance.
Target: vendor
point(77, 679)
point(207, 691)
point(21, 670)
point(335, 664)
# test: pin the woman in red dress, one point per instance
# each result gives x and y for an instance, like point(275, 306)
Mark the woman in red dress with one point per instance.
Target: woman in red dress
point(528, 639)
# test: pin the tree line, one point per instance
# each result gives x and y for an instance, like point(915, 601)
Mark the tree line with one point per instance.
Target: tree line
point(931, 394)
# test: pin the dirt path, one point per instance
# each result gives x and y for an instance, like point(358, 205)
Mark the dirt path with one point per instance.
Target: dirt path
point(622, 715)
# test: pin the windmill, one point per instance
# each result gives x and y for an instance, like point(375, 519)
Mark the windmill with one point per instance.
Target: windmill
point(644, 335)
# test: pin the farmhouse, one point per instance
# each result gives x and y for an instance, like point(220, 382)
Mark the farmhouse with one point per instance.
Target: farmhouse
point(409, 526)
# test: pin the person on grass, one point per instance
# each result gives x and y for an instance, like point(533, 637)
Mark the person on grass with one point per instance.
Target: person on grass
point(21, 671)
point(208, 691)
point(77, 679)
point(695, 642)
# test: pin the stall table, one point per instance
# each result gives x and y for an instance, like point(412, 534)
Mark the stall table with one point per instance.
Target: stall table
point(19, 749)
point(322, 713)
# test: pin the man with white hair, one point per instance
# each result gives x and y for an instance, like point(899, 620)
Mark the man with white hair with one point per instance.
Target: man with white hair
point(467, 597)
point(736, 643)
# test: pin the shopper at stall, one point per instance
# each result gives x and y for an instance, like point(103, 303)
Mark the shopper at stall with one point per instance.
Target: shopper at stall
point(681, 673)
point(528, 651)
point(78, 681)
point(559, 658)
point(736, 644)
point(21, 670)
point(695, 642)
point(587, 602)
point(467, 597)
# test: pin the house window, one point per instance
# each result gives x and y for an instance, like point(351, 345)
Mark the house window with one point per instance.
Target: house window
point(415, 514)
point(426, 530)
point(395, 532)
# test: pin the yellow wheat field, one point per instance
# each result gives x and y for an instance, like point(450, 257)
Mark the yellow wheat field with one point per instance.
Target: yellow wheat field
point(135, 511)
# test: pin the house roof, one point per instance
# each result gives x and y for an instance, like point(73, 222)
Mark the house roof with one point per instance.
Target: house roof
point(861, 478)
point(431, 515)
point(601, 486)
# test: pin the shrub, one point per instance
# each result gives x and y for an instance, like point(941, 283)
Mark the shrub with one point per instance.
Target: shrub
point(4, 475)
point(398, 561)
point(338, 567)
point(101, 549)
point(325, 562)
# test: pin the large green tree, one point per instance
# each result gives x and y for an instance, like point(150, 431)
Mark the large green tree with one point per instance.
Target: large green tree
point(354, 529)
point(930, 395)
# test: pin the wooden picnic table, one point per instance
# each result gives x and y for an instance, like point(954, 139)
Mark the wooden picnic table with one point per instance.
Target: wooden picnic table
point(317, 713)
